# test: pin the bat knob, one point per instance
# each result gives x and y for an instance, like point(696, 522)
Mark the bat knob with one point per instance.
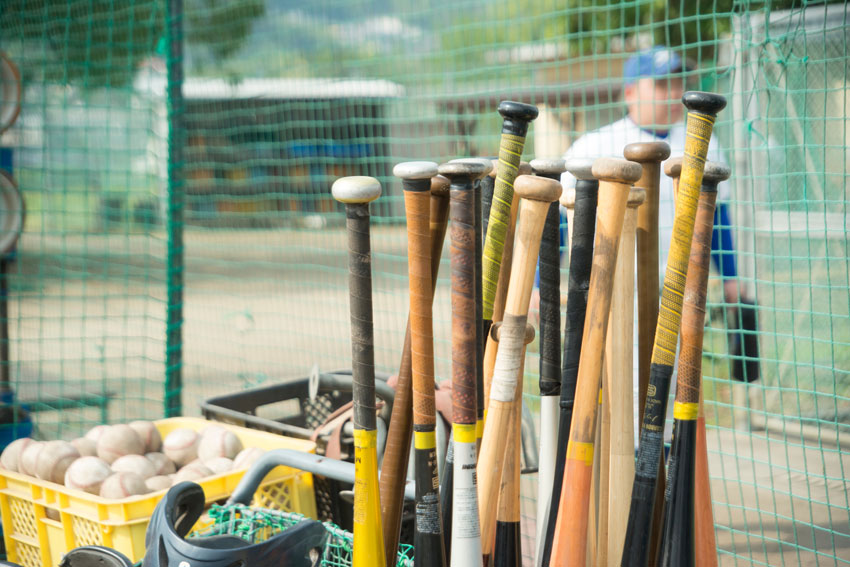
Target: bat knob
point(415, 170)
point(643, 152)
point(616, 170)
point(568, 198)
point(517, 111)
point(715, 172)
point(496, 332)
point(637, 195)
point(440, 185)
point(673, 167)
point(460, 171)
point(524, 168)
point(580, 168)
point(487, 163)
point(706, 103)
point(548, 167)
point(537, 188)
point(356, 189)
point(495, 170)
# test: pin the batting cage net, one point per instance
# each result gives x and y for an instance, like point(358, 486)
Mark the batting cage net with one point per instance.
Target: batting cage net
point(180, 240)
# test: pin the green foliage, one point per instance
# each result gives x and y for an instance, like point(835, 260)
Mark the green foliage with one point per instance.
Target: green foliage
point(100, 43)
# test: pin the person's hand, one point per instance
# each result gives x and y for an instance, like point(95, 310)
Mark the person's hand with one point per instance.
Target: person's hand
point(534, 308)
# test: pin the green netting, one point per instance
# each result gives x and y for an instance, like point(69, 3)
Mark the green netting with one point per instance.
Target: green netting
point(180, 240)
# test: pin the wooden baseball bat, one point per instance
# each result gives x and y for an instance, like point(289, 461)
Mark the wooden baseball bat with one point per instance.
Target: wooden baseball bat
point(507, 549)
point(491, 347)
point(582, 200)
point(428, 539)
point(678, 541)
point(481, 170)
point(649, 155)
point(397, 448)
point(706, 545)
point(549, 268)
point(619, 386)
point(702, 111)
point(356, 193)
point(615, 178)
point(536, 194)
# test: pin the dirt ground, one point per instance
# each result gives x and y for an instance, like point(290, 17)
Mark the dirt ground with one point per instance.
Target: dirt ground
point(265, 306)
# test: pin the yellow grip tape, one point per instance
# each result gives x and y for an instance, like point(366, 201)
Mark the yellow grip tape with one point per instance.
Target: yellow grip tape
point(463, 433)
point(365, 439)
point(577, 451)
point(685, 411)
point(368, 532)
point(424, 440)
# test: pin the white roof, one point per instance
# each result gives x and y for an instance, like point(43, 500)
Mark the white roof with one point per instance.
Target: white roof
point(199, 88)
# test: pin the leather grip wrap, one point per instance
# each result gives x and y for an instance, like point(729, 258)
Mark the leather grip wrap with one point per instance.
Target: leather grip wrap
point(464, 325)
point(362, 330)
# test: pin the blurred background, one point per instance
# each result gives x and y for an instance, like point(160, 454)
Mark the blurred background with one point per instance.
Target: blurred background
point(180, 241)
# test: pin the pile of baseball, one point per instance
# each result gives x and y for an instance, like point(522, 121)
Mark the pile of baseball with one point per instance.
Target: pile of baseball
point(117, 461)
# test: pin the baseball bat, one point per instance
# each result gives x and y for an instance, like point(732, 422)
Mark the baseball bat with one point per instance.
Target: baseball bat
point(490, 346)
point(427, 537)
point(507, 548)
point(619, 361)
point(356, 193)
point(570, 542)
point(582, 200)
point(549, 268)
point(678, 540)
point(649, 155)
point(397, 447)
point(536, 194)
point(464, 175)
point(706, 545)
point(702, 112)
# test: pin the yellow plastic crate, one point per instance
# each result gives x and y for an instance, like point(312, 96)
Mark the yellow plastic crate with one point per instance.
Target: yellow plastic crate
point(42, 520)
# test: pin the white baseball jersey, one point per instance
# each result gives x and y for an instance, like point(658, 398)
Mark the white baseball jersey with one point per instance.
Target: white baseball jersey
point(609, 141)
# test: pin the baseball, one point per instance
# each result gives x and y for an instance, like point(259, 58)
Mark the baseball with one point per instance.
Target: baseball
point(26, 464)
point(247, 457)
point(95, 432)
point(194, 472)
point(219, 465)
point(117, 441)
point(86, 447)
point(135, 464)
point(87, 474)
point(218, 442)
point(11, 456)
point(181, 446)
point(161, 464)
point(159, 482)
point(54, 459)
point(149, 434)
point(122, 485)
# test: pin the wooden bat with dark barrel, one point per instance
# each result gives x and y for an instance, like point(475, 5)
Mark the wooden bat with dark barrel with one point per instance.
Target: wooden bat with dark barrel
point(507, 548)
point(536, 194)
point(615, 177)
point(702, 112)
point(356, 193)
point(464, 545)
point(583, 201)
point(428, 536)
point(549, 268)
point(678, 542)
point(397, 448)
point(650, 155)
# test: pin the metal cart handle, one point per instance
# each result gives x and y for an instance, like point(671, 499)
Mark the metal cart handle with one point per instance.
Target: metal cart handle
point(308, 462)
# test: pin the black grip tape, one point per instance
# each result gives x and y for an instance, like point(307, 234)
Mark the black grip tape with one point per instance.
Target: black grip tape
point(550, 304)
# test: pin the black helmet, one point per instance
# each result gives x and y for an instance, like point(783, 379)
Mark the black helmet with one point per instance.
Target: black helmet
point(94, 556)
point(299, 546)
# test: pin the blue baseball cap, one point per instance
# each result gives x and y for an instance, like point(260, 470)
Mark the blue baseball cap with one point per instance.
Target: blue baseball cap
point(656, 62)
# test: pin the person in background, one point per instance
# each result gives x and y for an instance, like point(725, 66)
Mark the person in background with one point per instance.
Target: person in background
point(653, 85)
